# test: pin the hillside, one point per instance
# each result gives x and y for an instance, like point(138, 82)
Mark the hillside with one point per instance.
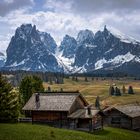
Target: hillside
point(40, 132)
point(94, 88)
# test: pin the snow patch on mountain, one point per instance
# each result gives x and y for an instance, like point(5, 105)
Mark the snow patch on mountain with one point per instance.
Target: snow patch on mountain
point(118, 60)
point(108, 51)
point(122, 58)
point(122, 36)
point(90, 46)
point(99, 64)
point(63, 61)
point(15, 64)
point(79, 69)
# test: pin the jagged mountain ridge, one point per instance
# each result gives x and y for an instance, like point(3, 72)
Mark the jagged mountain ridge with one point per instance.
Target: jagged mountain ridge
point(31, 49)
point(105, 50)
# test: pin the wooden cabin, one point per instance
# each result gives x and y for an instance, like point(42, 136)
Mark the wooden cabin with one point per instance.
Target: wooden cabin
point(123, 116)
point(65, 109)
point(87, 118)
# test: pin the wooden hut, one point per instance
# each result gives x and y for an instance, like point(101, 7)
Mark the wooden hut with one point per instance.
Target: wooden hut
point(123, 116)
point(60, 109)
point(87, 118)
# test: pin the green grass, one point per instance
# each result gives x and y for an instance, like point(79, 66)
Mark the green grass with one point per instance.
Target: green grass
point(100, 88)
point(43, 132)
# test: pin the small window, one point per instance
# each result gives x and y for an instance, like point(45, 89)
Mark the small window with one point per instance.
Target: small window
point(116, 120)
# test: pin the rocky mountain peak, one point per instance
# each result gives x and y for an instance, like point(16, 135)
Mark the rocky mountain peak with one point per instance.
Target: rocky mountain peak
point(85, 36)
point(30, 49)
point(68, 46)
point(24, 29)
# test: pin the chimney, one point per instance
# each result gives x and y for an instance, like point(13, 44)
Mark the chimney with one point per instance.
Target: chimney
point(37, 100)
point(88, 110)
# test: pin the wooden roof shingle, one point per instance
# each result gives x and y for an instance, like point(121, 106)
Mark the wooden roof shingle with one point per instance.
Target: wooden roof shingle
point(130, 110)
point(82, 114)
point(52, 101)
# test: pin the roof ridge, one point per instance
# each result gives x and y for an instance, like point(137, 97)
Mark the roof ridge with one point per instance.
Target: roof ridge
point(76, 91)
point(53, 94)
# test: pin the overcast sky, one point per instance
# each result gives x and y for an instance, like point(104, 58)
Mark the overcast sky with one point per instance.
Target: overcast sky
point(60, 17)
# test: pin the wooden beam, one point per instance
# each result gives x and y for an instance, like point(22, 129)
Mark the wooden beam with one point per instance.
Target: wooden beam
point(131, 124)
point(32, 116)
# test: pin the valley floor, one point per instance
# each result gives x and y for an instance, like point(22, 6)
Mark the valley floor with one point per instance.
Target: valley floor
point(93, 88)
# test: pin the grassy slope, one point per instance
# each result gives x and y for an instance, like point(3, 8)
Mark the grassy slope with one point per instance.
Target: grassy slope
point(40, 132)
point(93, 88)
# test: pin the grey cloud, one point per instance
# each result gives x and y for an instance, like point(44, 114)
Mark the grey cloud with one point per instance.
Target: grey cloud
point(94, 6)
point(6, 7)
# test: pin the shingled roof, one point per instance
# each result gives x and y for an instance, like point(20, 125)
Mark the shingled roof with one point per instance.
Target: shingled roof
point(52, 101)
point(82, 114)
point(129, 110)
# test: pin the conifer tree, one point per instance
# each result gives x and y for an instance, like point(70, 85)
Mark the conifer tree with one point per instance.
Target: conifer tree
point(9, 102)
point(30, 85)
point(97, 102)
point(117, 91)
point(123, 89)
point(49, 89)
point(61, 89)
point(73, 78)
point(130, 90)
point(111, 90)
point(86, 79)
point(76, 79)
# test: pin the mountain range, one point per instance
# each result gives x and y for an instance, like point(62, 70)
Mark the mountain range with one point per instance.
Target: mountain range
point(107, 50)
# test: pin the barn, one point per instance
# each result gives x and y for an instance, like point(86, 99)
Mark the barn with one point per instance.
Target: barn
point(123, 116)
point(63, 109)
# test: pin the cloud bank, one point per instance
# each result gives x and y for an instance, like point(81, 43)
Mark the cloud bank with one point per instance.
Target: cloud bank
point(60, 17)
point(7, 6)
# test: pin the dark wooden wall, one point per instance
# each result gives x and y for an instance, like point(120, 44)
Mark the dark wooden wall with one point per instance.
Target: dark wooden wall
point(117, 119)
point(48, 115)
point(136, 123)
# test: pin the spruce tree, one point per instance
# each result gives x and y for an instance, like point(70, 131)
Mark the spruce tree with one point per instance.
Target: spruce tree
point(9, 102)
point(30, 85)
point(117, 91)
point(123, 89)
point(73, 78)
point(111, 90)
point(97, 102)
point(130, 90)
point(86, 79)
point(37, 84)
point(49, 89)
point(76, 79)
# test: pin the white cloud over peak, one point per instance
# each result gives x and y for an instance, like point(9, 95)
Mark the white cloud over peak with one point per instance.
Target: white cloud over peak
point(60, 17)
point(58, 5)
point(7, 6)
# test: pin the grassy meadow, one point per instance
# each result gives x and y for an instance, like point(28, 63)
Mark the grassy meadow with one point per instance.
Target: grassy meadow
point(100, 87)
point(43, 132)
